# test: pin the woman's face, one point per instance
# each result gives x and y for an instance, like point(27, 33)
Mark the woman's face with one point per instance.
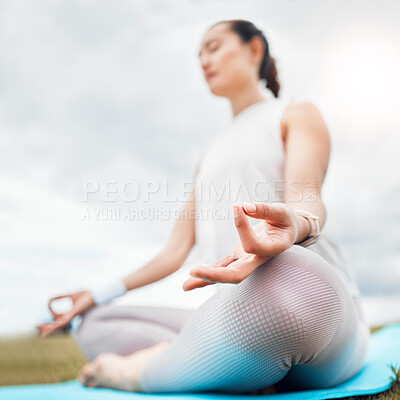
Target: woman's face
point(228, 63)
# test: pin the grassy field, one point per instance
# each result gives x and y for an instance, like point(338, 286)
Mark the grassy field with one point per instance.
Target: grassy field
point(30, 359)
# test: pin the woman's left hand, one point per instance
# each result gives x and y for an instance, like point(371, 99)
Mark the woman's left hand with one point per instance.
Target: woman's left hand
point(274, 234)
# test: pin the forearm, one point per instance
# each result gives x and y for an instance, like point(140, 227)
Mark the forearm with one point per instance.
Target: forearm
point(167, 261)
point(173, 254)
point(163, 264)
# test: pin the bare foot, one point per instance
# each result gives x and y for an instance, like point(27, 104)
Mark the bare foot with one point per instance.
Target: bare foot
point(118, 372)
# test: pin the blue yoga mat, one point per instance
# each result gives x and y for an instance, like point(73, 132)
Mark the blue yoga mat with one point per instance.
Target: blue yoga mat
point(376, 376)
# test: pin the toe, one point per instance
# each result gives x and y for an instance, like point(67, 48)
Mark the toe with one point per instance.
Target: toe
point(91, 382)
point(86, 373)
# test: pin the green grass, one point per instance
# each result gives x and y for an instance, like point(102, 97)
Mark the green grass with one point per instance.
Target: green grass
point(30, 359)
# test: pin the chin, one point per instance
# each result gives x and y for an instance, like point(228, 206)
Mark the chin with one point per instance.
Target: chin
point(217, 90)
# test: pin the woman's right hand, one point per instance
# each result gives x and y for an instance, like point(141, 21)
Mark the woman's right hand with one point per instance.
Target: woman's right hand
point(81, 301)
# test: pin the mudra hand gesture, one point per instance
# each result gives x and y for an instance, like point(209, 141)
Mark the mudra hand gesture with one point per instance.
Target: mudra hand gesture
point(276, 232)
point(81, 301)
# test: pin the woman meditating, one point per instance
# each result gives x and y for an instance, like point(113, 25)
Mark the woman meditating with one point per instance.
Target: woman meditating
point(286, 307)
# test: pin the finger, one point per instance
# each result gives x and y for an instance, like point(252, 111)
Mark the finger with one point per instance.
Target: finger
point(47, 330)
point(250, 264)
point(44, 327)
point(53, 326)
point(275, 213)
point(207, 280)
point(225, 261)
point(215, 275)
point(236, 272)
point(55, 315)
point(247, 235)
point(219, 274)
point(59, 297)
point(222, 263)
point(194, 283)
point(61, 322)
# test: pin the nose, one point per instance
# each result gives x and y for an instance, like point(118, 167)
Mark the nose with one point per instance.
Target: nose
point(205, 63)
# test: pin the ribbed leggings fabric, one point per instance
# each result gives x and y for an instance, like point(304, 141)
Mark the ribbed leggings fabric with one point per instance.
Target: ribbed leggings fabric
point(292, 321)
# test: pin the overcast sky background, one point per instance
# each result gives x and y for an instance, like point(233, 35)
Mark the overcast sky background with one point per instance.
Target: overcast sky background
point(98, 91)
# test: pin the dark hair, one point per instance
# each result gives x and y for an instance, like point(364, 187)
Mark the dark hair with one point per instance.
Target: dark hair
point(247, 30)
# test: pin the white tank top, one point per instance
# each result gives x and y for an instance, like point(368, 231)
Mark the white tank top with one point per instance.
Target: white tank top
point(244, 162)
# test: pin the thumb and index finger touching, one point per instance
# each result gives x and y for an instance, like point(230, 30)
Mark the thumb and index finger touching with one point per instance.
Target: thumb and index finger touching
point(273, 213)
point(59, 318)
point(251, 242)
point(53, 313)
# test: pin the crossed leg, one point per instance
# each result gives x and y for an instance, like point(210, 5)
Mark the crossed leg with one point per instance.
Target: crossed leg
point(125, 329)
point(119, 339)
point(292, 318)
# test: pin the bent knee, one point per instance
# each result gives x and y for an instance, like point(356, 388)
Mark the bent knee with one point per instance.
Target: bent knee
point(84, 339)
point(296, 274)
point(297, 293)
point(86, 334)
point(90, 319)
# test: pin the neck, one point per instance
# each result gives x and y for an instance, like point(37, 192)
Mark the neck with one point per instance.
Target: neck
point(245, 99)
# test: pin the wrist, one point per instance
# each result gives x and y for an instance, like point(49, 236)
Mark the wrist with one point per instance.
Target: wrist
point(303, 228)
point(310, 234)
point(108, 291)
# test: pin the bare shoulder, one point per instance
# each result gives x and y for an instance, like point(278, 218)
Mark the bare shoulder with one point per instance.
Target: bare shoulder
point(302, 115)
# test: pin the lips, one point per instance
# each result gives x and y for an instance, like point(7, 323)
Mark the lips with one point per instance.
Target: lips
point(210, 75)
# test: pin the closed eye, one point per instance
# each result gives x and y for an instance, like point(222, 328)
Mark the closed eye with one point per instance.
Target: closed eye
point(213, 48)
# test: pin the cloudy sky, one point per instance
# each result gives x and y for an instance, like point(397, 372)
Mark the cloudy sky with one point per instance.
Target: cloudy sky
point(98, 91)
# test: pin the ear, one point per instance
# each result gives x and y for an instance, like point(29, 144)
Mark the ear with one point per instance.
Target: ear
point(257, 49)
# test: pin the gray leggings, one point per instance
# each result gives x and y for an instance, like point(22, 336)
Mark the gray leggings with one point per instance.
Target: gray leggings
point(292, 321)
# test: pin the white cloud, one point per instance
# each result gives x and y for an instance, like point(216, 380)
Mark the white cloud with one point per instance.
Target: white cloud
point(100, 90)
